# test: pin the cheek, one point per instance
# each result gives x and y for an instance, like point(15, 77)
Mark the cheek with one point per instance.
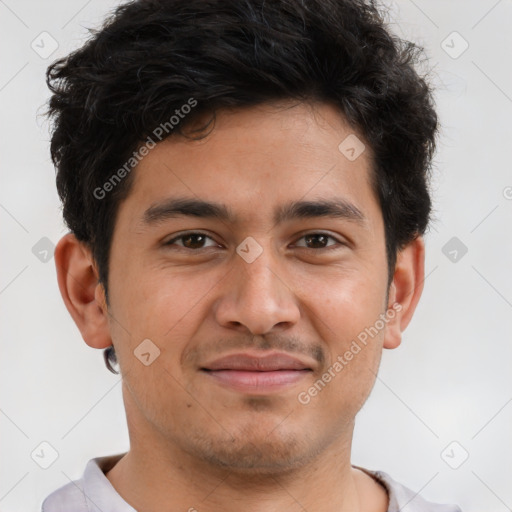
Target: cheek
point(342, 304)
point(167, 307)
point(153, 301)
point(353, 351)
point(152, 310)
point(346, 312)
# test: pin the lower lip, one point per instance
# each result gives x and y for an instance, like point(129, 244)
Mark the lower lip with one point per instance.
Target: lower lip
point(257, 382)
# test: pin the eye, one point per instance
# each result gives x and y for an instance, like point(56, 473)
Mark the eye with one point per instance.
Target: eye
point(319, 241)
point(196, 240)
point(192, 240)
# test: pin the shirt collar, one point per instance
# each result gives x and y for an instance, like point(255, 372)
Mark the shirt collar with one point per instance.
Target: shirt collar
point(97, 488)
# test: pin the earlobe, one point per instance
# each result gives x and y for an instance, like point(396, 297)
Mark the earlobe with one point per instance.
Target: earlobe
point(405, 290)
point(81, 291)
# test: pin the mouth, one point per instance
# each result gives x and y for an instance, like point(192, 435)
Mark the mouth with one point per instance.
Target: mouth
point(257, 375)
point(257, 381)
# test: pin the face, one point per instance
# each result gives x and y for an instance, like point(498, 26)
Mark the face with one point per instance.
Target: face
point(258, 274)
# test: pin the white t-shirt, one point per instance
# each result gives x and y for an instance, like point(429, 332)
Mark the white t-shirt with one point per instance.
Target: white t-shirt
point(94, 493)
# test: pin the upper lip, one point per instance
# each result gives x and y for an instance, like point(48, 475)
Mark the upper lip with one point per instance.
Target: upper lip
point(267, 363)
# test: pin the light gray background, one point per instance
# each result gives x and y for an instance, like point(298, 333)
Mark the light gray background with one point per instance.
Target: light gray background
point(451, 378)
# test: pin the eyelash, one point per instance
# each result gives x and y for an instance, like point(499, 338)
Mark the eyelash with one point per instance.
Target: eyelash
point(183, 235)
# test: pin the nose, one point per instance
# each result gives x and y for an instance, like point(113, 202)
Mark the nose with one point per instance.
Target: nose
point(257, 297)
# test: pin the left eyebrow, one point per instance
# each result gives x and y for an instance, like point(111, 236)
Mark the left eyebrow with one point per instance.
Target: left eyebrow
point(183, 206)
point(335, 208)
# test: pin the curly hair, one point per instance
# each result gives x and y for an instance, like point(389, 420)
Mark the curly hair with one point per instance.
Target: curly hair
point(151, 56)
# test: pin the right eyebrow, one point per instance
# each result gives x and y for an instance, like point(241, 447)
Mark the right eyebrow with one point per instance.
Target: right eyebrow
point(182, 206)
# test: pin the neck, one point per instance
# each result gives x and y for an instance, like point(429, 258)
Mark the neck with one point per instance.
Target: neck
point(147, 485)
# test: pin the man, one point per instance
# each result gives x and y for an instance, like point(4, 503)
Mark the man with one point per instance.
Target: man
point(245, 184)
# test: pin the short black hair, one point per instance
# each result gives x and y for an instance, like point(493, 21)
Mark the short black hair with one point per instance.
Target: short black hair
point(152, 57)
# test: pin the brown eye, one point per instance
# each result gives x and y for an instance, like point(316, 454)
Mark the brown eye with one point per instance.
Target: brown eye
point(192, 241)
point(318, 241)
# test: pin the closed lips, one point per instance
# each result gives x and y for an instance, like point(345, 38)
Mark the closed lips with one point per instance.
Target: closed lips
point(246, 362)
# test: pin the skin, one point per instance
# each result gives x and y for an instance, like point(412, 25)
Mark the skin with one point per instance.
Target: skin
point(195, 443)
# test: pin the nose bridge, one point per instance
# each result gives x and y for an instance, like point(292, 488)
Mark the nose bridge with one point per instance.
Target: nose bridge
point(260, 277)
point(260, 282)
point(257, 295)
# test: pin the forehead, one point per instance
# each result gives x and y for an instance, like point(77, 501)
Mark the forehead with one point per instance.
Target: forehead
point(255, 163)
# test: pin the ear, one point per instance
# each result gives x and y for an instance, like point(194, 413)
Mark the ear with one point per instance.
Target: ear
point(405, 290)
point(83, 295)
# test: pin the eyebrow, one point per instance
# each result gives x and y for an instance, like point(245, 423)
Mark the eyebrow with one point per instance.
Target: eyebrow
point(182, 206)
